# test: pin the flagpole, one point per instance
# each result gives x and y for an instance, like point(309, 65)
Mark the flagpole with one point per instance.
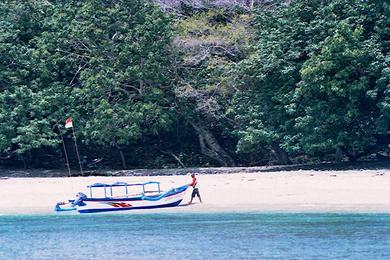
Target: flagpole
point(77, 151)
point(66, 154)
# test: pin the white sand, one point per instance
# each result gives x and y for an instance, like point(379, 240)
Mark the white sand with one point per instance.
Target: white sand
point(299, 191)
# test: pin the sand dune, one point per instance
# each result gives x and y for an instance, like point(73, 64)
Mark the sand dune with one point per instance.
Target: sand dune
point(299, 191)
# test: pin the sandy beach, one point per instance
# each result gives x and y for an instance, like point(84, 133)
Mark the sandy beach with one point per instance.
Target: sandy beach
point(284, 191)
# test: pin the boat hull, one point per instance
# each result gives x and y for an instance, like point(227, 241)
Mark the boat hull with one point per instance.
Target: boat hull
point(95, 210)
point(133, 203)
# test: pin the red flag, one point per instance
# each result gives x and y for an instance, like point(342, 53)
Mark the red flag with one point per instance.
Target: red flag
point(69, 123)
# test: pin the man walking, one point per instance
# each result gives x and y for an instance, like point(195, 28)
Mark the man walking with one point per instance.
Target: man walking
point(195, 191)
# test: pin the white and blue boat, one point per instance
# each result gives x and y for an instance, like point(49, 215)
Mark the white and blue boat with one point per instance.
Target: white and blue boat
point(121, 196)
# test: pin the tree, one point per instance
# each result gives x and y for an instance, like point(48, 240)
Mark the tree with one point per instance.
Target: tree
point(313, 85)
point(24, 123)
point(285, 35)
point(107, 64)
point(209, 42)
point(118, 56)
point(339, 93)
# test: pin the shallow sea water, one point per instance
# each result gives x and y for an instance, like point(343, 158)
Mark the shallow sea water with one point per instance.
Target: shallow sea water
point(196, 236)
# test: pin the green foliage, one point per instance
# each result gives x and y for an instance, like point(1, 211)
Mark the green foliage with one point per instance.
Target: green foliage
point(107, 64)
point(338, 92)
point(309, 78)
point(317, 79)
point(284, 38)
point(209, 43)
point(116, 58)
point(25, 123)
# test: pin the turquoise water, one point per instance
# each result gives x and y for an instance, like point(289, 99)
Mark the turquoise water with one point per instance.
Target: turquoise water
point(196, 236)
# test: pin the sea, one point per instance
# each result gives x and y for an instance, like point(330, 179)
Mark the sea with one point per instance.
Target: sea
point(239, 235)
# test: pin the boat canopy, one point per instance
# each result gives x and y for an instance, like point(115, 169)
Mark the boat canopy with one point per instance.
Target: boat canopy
point(118, 184)
point(122, 184)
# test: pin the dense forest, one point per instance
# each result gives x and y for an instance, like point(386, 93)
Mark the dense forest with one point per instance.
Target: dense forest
point(180, 83)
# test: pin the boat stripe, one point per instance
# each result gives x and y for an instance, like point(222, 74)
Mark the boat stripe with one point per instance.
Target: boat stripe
point(173, 204)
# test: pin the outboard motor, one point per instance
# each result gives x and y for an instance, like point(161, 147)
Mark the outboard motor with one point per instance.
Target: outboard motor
point(79, 200)
point(82, 195)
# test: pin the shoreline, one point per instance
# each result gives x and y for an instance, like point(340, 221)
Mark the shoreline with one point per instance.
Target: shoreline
point(203, 212)
point(317, 167)
point(353, 191)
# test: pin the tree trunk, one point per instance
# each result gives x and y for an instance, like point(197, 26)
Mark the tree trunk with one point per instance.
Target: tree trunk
point(123, 159)
point(141, 82)
point(280, 154)
point(175, 157)
point(23, 159)
point(339, 155)
point(210, 147)
point(351, 156)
